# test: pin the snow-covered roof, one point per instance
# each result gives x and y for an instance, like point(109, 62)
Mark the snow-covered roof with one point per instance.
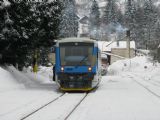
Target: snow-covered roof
point(157, 3)
point(102, 4)
point(6, 3)
point(74, 39)
point(108, 45)
point(104, 56)
point(84, 19)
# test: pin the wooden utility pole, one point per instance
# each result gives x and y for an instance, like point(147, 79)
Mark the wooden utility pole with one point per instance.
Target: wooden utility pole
point(128, 46)
point(128, 43)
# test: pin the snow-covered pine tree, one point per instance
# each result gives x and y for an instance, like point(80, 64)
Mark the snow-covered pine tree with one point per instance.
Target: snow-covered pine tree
point(157, 33)
point(120, 17)
point(130, 19)
point(2, 13)
point(45, 22)
point(154, 46)
point(139, 27)
point(94, 20)
point(69, 20)
point(10, 35)
point(2, 38)
point(34, 24)
point(54, 20)
point(110, 20)
point(110, 13)
point(128, 13)
point(150, 18)
point(52, 14)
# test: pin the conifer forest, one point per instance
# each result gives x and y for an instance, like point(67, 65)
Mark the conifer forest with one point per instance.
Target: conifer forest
point(31, 27)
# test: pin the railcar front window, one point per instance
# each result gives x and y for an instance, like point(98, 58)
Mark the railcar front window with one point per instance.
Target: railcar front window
point(73, 55)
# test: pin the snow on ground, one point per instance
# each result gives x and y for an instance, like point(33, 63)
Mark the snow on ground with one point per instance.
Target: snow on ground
point(7, 82)
point(119, 97)
point(130, 91)
point(59, 109)
point(23, 92)
point(141, 67)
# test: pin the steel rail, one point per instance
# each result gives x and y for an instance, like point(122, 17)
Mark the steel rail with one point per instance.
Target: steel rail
point(43, 106)
point(149, 90)
point(76, 107)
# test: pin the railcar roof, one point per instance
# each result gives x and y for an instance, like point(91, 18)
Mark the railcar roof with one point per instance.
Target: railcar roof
point(76, 40)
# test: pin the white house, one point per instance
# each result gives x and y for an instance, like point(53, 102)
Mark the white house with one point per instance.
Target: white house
point(83, 7)
point(117, 50)
point(102, 5)
point(83, 27)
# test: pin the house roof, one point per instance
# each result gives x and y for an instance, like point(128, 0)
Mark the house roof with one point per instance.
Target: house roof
point(108, 45)
point(102, 4)
point(84, 20)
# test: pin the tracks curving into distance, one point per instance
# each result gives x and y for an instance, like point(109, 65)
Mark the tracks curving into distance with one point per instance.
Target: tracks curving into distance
point(59, 98)
point(145, 87)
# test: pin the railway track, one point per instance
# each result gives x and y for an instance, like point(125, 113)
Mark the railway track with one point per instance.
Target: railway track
point(57, 103)
point(145, 87)
point(75, 107)
point(48, 103)
point(157, 84)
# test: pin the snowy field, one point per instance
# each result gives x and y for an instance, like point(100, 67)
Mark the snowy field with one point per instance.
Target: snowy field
point(130, 91)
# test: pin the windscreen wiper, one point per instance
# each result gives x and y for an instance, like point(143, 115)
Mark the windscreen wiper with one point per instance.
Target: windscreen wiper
point(81, 60)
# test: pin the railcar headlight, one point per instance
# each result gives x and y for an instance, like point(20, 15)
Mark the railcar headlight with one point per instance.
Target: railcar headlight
point(89, 69)
point(62, 69)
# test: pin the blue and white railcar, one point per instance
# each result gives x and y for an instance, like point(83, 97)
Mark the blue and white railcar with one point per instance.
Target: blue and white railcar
point(78, 64)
